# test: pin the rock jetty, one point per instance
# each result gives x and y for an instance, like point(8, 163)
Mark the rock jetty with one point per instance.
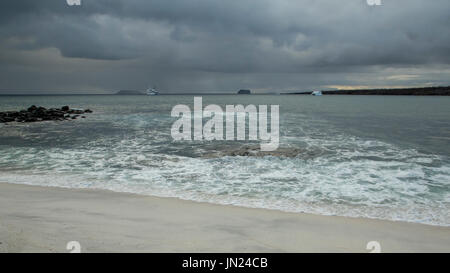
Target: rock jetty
point(36, 114)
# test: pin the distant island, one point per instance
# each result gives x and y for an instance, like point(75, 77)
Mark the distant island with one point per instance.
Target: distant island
point(417, 91)
point(244, 92)
point(129, 92)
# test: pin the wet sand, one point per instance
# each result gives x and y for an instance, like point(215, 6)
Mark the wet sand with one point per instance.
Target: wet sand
point(41, 219)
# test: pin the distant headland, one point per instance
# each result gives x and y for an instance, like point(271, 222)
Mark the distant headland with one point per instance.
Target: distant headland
point(417, 91)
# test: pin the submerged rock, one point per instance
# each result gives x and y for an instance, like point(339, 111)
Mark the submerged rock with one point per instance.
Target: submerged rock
point(255, 151)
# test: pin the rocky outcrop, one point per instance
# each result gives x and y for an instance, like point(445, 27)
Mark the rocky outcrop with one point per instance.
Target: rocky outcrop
point(244, 92)
point(36, 114)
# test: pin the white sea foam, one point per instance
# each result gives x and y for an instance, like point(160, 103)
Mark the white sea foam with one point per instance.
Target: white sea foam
point(337, 174)
point(353, 179)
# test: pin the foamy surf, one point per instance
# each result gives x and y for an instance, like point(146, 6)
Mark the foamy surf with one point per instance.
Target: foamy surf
point(391, 184)
point(323, 167)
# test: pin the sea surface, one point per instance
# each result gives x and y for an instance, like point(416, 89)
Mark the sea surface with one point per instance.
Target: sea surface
point(385, 157)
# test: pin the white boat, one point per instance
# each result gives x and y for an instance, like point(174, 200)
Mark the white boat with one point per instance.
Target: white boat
point(316, 93)
point(152, 91)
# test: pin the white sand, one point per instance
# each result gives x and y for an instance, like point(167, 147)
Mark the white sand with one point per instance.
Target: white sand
point(39, 219)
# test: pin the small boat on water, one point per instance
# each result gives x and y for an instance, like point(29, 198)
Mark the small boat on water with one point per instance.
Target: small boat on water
point(152, 91)
point(316, 93)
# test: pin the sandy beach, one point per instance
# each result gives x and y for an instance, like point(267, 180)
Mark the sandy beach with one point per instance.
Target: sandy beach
point(41, 219)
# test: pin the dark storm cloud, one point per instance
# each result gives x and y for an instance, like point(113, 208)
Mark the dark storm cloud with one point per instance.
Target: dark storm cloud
point(210, 42)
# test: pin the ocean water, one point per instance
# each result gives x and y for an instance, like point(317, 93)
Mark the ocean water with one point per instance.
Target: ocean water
point(362, 156)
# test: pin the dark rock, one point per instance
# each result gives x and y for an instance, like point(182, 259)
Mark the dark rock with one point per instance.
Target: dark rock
point(130, 92)
point(58, 114)
point(10, 114)
point(76, 111)
point(32, 108)
point(244, 92)
point(255, 151)
point(36, 114)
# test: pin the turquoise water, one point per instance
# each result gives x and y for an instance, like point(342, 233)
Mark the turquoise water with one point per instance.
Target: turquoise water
point(362, 156)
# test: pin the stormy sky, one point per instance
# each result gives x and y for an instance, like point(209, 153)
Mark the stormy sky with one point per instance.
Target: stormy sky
point(47, 46)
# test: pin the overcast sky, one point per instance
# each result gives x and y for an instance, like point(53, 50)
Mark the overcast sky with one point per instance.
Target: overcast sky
point(222, 45)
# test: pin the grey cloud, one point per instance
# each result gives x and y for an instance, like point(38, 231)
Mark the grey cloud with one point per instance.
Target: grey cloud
point(212, 38)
